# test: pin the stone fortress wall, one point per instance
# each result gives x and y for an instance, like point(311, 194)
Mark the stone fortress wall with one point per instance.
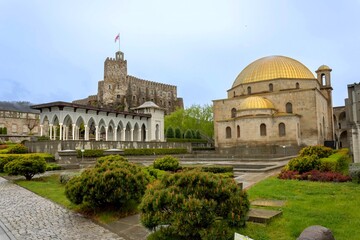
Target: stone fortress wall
point(121, 91)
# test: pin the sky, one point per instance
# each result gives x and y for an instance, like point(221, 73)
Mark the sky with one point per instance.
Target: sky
point(55, 50)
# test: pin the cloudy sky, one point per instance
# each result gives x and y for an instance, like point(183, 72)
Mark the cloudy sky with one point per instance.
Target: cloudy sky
point(55, 50)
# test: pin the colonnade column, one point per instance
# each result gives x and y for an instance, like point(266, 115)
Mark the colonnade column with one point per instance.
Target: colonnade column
point(86, 134)
point(146, 136)
point(106, 133)
point(96, 133)
point(41, 130)
point(50, 134)
point(115, 134)
point(54, 130)
point(61, 131)
point(132, 135)
point(73, 131)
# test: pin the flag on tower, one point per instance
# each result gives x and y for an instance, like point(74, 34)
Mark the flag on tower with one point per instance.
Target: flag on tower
point(117, 37)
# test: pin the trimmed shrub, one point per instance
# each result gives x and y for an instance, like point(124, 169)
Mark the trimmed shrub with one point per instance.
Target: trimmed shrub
point(186, 140)
point(52, 167)
point(287, 174)
point(197, 134)
point(170, 132)
point(110, 159)
point(337, 162)
point(354, 172)
point(167, 163)
point(318, 151)
point(65, 177)
point(217, 169)
point(303, 164)
point(111, 183)
point(154, 151)
point(177, 133)
point(153, 173)
point(90, 153)
point(4, 159)
point(194, 205)
point(27, 166)
point(18, 149)
point(314, 175)
point(203, 148)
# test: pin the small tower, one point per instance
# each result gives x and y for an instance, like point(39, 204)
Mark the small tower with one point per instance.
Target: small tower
point(323, 76)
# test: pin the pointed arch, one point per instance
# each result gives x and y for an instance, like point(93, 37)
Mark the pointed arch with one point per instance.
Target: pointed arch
point(136, 134)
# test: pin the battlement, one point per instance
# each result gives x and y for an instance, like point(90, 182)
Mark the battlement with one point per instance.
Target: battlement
point(151, 83)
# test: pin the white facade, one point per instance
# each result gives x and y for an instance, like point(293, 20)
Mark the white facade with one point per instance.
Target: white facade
point(68, 121)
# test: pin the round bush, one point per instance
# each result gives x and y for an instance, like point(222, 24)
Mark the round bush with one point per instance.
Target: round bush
point(194, 205)
point(18, 149)
point(110, 183)
point(303, 164)
point(318, 151)
point(167, 163)
point(26, 166)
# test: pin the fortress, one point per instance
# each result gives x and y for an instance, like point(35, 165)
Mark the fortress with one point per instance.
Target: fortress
point(122, 92)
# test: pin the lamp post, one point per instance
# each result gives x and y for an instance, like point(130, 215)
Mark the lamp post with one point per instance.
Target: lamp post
point(284, 147)
point(82, 154)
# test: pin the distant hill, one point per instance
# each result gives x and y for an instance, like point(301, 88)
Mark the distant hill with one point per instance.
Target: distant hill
point(17, 107)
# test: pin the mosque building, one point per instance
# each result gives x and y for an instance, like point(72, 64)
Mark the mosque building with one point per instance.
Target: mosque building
point(275, 104)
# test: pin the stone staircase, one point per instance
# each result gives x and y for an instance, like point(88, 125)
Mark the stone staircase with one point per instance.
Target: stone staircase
point(260, 212)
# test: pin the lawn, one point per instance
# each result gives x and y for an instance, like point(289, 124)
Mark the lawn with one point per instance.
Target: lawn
point(333, 205)
point(51, 188)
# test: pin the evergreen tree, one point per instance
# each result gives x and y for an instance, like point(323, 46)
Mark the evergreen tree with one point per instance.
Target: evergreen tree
point(177, 133)
point(170, 132)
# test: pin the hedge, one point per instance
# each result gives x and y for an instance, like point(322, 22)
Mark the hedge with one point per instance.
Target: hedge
point(337, 162)
point(186, 140)
point(5, 158)
point(154, 151)
point(90, 153)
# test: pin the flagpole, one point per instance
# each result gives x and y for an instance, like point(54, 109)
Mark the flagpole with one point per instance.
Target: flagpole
point(119, 42)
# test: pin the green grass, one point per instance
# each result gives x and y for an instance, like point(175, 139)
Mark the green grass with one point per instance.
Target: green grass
point(332, 205)
point(50, 188)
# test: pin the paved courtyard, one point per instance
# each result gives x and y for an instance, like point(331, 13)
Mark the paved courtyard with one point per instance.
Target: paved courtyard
point(26, 216)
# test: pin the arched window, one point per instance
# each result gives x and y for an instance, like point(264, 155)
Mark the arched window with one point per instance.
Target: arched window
point(233, 112)
point(282, 131)
point(234, 93)
point(228, 132)
point(289, 107)
point(249, 90)
point(271, 87)
point(323, 79)
point(238, 131)
point(262, 129)
point(297, 86)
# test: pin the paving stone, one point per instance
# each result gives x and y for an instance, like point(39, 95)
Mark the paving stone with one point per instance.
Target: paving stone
point(262, 215)
point(28, 216)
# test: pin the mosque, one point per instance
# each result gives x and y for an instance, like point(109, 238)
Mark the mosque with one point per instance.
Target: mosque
point(275, 104)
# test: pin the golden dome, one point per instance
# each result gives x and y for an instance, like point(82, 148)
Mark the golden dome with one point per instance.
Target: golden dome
point(273, 67)
point(324, 67)
point(256, 103)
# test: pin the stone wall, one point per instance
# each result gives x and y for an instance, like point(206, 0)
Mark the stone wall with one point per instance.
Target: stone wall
point(53, 147)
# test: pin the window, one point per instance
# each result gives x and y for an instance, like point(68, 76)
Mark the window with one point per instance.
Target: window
point(249, 90)
point(262, 129)
point(289, 107)
point(233, 112)
point(109, 86)
point(297, 86)
point(14, 128)
point(234, 93)
point(238, 131)
point(323, 79)
point(282, 131)
point(271, 87)
point(118, 96)
point(228, 132)
point(25, 128)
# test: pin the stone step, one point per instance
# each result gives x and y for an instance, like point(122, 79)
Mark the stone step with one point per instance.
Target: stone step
point(268, 203)
point(262, 215)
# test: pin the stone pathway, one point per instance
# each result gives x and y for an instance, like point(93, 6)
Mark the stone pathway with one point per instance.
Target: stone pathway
point(25, 215)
